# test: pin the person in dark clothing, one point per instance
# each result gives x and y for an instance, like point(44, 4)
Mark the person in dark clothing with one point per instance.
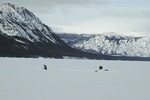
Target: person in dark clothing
point(45, 67)
point(100, 67)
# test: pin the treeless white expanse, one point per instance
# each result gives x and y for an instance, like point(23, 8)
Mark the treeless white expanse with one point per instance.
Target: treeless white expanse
point(70, 79)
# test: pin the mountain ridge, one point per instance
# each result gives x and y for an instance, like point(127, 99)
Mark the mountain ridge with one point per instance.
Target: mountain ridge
point(22, 34)
point(110, 44)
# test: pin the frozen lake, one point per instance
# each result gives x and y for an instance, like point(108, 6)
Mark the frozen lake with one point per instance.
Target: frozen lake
point(25, 79)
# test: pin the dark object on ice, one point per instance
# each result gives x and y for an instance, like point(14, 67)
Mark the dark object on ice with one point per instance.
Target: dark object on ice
point(106, 70)
point(100, 67)
point(96, 70)
point(45, 67)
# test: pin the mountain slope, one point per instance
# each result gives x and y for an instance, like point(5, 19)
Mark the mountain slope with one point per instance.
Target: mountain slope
point(18, 21)
point(23, 34)
point(111, 44)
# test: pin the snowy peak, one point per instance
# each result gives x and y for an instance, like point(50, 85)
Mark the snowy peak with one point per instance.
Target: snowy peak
point(17, 13)
point(18, 21)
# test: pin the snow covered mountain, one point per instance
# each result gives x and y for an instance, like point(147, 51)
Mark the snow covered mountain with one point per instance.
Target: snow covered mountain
point(110, 44)
point(23, 34)
point(18, 21)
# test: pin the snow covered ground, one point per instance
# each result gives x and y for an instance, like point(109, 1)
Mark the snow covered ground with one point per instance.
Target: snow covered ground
point(68, 79)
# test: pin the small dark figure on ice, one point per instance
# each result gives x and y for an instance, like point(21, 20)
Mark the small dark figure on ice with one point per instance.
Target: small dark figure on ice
point(45, 67)
point(106, 70)
point(100, 67)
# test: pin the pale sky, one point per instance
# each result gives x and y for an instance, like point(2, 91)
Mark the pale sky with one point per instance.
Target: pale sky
point(91, 16)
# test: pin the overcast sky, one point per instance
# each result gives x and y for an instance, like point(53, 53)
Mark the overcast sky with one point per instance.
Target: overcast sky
point(91, 16)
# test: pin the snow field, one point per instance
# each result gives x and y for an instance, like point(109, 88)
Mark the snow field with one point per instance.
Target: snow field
point(69, 79)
